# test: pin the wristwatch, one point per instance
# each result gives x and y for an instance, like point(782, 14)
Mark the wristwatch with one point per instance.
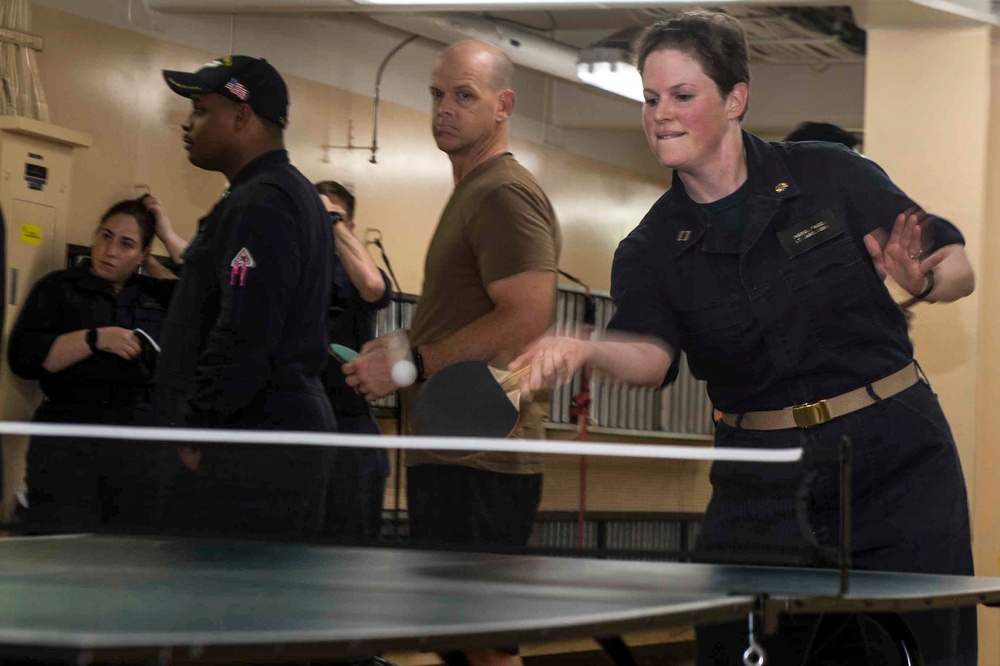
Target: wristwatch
point(418, 361)
point(92, 340)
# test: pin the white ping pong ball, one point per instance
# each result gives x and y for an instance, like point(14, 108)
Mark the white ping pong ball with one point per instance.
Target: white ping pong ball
point(403, 373)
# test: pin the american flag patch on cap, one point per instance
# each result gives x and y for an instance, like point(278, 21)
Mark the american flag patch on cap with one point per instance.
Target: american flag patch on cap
point(237, 89)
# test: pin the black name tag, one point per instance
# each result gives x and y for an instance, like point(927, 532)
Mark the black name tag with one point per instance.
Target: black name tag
point(818, 229)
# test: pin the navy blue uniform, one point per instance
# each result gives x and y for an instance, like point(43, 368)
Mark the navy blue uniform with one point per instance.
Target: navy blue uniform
point(244, 345)
point(357, 480)
point(770, 328)
point(80, 483)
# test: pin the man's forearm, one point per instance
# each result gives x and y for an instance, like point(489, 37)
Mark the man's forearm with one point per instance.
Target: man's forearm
point(360, 267)
point(496, 338)
point(155, 269)
point(175, 245)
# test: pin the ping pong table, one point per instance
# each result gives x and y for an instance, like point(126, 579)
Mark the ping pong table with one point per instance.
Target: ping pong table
point(85, 598)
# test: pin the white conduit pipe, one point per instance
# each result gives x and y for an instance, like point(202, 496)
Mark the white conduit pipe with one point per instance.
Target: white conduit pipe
point(522, 46)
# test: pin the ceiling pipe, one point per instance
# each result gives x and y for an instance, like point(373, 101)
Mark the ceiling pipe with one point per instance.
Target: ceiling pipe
point(375, 105)
point(524, 47)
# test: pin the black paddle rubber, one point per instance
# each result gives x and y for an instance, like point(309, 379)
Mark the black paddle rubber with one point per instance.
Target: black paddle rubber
point(463, 400)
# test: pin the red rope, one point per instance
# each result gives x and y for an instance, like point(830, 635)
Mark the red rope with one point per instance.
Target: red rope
point(580, 410)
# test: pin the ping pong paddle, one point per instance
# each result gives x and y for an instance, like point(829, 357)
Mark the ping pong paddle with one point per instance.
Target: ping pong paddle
point(467, 399)
point(342, 353)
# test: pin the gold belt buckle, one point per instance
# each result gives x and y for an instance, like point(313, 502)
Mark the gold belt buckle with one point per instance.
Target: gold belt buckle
point(811, 414)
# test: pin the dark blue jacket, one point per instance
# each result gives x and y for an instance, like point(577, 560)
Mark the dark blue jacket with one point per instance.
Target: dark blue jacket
point(766, 327)
point(351, 321)
point(76, 299)
point(245, 339)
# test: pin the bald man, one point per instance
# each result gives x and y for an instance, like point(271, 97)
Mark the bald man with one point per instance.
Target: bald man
point(489, 290)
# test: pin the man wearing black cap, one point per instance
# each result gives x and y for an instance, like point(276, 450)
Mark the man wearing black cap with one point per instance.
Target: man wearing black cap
point(244, 342)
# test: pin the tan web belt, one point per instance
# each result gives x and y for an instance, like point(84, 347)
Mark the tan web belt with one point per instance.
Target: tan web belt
point(815, 413)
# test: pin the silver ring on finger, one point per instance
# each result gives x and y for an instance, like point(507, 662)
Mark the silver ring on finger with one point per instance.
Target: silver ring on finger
point(916, 256)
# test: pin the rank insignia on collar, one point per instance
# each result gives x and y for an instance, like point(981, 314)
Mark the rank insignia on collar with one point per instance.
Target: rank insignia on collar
point(684, 235)
point(241, 263)
point(780, 187)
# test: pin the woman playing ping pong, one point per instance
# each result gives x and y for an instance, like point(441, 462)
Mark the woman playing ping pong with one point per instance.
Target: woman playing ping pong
point(765, 263)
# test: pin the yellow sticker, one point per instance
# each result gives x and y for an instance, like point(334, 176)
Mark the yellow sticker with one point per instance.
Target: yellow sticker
point(31, 234)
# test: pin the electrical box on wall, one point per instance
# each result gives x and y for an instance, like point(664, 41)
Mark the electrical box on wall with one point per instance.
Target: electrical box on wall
point(36, 162)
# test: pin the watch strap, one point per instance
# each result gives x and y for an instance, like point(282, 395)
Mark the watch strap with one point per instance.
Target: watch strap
point(418, 361)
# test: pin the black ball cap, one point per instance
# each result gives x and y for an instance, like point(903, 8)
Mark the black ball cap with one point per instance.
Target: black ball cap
point(241, 78)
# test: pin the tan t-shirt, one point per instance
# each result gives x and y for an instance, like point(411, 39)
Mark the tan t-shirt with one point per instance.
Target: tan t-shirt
point(497, 223)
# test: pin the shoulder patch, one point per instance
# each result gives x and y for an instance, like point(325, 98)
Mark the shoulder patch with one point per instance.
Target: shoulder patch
point(241, 263)
point(243, 258)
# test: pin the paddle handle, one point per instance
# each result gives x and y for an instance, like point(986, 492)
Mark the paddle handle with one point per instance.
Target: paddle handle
point(509, 383)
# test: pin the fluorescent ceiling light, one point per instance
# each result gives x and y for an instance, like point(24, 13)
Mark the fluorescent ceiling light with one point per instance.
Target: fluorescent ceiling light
point(616, 77)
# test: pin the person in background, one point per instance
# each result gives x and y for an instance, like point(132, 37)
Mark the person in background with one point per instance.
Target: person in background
point(765, 263)
point(172, 241)
point(360, 289)
point(244, 341)
point(84, 334)
point(811, 131)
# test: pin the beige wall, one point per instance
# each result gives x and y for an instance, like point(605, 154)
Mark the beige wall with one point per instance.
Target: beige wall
point(106, 81)
point(986, 497)
point(934, 147)
point(927, 122)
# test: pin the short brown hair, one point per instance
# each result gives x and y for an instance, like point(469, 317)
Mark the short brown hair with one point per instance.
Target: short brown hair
point(335, 190)
point(717, 41)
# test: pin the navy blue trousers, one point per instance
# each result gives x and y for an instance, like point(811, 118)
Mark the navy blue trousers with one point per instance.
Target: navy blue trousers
point(356, 487)
point(256, 490)
point(81, 483)
point(909, 513)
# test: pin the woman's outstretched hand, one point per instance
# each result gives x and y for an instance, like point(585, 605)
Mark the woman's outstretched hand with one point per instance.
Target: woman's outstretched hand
point(553, 360)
